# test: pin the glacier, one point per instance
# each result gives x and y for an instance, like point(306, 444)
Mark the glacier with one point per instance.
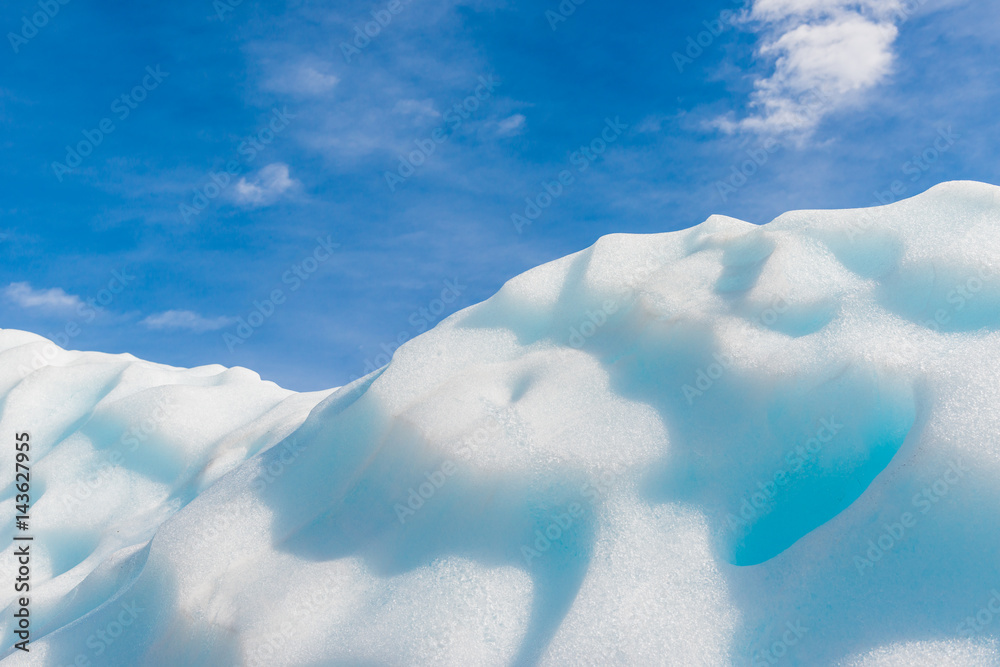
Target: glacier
point(728, 445)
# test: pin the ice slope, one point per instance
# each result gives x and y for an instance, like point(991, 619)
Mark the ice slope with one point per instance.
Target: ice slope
point(729, 445)
point(118, 447)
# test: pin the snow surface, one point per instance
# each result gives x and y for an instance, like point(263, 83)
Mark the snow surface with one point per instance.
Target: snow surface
point(747, 445)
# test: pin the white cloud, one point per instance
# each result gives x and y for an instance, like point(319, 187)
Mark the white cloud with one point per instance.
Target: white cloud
point(777, 10)
point(382, 99)
point(417, 108)
point(511, 125)
point(53, 300)
point(265, 187)
point(826, 54)
point(185, 319)
point(304, 80)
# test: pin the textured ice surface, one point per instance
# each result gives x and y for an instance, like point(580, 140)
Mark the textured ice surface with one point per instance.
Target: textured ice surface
point(727, 445)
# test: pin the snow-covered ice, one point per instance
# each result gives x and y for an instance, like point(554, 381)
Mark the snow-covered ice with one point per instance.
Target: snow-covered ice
point(728, 445)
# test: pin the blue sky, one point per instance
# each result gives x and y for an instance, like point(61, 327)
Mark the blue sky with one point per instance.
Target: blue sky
point(171, 167)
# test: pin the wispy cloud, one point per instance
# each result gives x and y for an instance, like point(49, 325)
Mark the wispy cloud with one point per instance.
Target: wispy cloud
point(53, 300)
point(185, 319)
point(303, 80)
point(825, 55)
point(400, 88)
point(511, 125)
point(265, 187)
point(417, 108)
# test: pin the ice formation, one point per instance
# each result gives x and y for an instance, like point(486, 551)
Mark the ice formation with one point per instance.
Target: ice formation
point(729, 445)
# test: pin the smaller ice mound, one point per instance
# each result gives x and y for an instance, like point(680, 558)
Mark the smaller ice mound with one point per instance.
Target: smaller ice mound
point(119, 445)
